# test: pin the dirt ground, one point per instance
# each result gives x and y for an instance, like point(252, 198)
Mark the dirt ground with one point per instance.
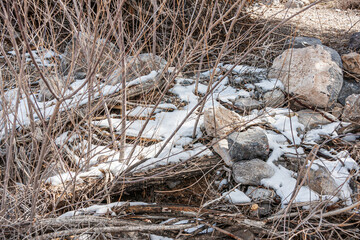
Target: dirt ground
point(331, 25)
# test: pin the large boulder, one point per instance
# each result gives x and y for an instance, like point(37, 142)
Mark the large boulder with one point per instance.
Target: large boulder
point(310, 73)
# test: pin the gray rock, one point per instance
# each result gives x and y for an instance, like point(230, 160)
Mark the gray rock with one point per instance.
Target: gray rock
point(274, 98)
point(248, 104)
point(354, 43)
point(352, 108)
point(251, 172)
point(296, 3)
point(335, 56)
point(349, 87)
point(257, 193)
point(247, 145)
point(320, 180)
point(300, 42)
point(311, 119)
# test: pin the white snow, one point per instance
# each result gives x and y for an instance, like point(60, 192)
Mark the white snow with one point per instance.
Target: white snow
point(236, 197)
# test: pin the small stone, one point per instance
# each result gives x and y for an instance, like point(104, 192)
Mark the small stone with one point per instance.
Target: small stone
point(219, 121)
point(351, 62)
point(311, 119)
point(310, 74)
point(354, 43)
point(251, 172)
point(301, 42)
point(320, 180)
point(274, 98)
point(248, 104)
point(256, 193)
point(247, 145)
point(296, 3)
point(352, 108)
point(222, 148)
point(349, 87)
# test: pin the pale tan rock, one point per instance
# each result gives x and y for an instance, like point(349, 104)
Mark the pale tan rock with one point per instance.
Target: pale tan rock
point(57, 86)
point(219, 121)
point(310, 74)
point(351, 62)
point(222, 148)
point(352, 108)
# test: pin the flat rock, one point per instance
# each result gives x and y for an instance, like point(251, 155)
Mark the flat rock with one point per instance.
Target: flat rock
point(251, 172)
point(249, 144)
point(354, 42)
point(352, 108)
point(256, 193)
point(351, 62)
point(247, 104)
point(311, 119)
point(310, 74)
point(349, 87)
point(219, 121)
point(274, 98)
point(301, 42)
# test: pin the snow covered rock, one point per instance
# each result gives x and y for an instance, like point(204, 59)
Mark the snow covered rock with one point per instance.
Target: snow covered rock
point(251, 172)
point(219, 121)
point(249, 144)
point(236, 197)
point(352, 108)
point(310, 73)
point(351, 62)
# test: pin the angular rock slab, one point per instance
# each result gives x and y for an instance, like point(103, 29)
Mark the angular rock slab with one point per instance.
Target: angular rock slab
point(310, 74)
point(352, 108)
point(251, 172)
point(219, 121)
point(247, 145)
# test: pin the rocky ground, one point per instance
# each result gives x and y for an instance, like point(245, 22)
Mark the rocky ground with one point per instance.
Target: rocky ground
point(270, 150)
